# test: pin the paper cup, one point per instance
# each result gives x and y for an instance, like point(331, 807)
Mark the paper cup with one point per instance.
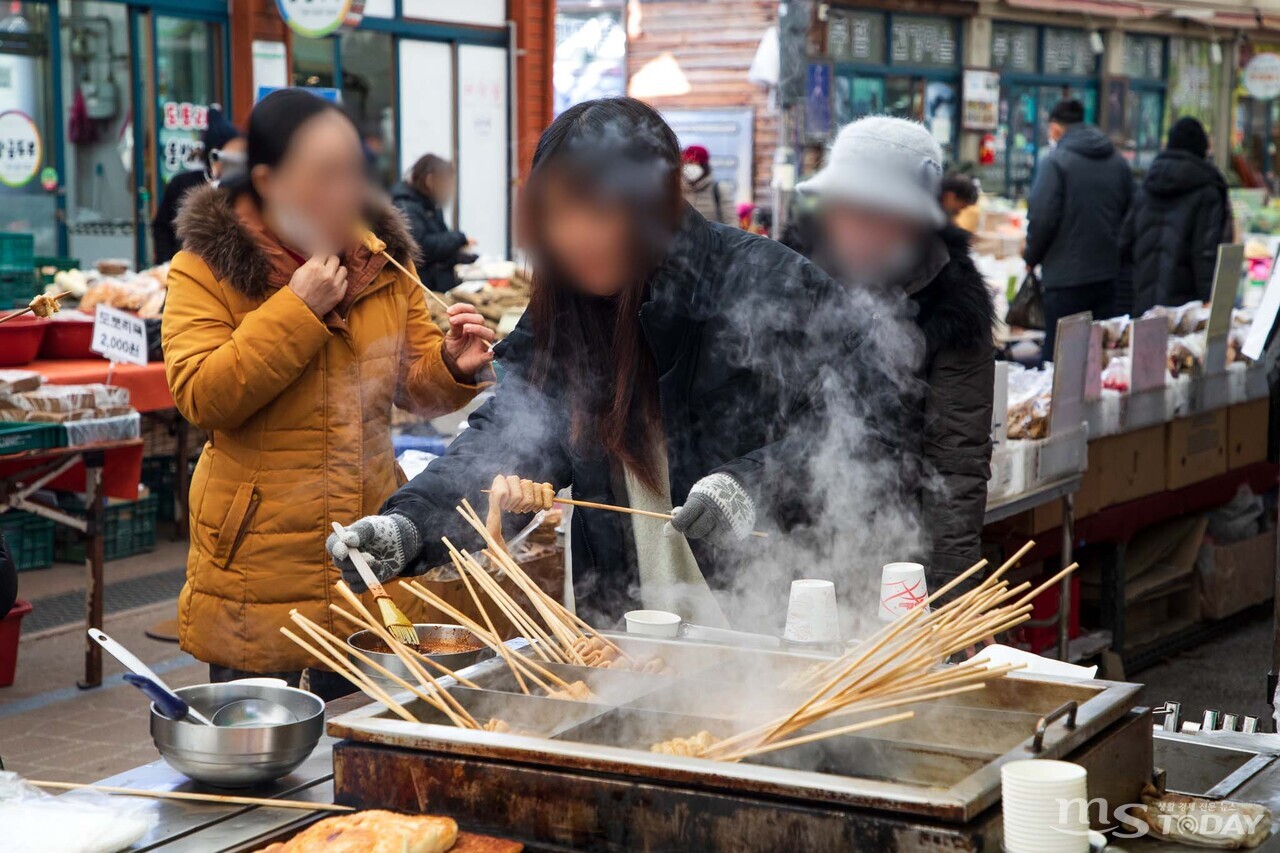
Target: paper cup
point(1044, 805)
point(902, 589)
point(811, 613)
point(653, 623)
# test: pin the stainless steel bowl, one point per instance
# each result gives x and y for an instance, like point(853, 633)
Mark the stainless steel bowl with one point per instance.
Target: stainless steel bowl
point(366, 642)
point(239, 757)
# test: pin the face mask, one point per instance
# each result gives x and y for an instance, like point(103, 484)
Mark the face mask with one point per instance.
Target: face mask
point(692, 172)
point(296, 230)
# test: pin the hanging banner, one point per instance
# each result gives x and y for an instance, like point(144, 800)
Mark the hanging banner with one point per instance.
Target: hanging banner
point(319, 18)
point(21, 151)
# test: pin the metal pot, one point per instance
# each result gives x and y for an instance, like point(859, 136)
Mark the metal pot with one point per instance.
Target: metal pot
point(366, 642)
point(239, 757)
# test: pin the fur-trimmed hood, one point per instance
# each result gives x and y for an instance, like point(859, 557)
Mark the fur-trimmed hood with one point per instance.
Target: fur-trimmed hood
point(210, 228)
point(955, 309)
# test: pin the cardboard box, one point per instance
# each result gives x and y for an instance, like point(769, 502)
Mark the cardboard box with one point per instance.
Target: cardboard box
point(1196, 448)
point(1129, 466)
point(1233, 577)
point(1247, 426)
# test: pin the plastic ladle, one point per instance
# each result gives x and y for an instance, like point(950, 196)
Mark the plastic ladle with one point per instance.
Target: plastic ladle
point(131, 662)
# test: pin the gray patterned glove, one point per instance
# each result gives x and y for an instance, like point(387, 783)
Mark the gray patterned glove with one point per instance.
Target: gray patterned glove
point(718, 509)
point(389, 541)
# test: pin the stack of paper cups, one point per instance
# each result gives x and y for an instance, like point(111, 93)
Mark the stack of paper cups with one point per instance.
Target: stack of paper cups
point(811, 613)
point(902, 589)
point(1045, 807)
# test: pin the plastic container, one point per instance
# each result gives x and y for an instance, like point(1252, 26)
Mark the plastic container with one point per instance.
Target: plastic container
point(18, 437)
point(93, 430)
point(20, 340)
point(160, 475)
point(69, 335)
point(128, 528)
point(18, 253)
point(17, 288)
point(10, 629)
point(30, 539)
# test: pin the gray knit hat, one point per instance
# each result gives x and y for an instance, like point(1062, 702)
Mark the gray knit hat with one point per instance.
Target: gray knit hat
point(887, 164)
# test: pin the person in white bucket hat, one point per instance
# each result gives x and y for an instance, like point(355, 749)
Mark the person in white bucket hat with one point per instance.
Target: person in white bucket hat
point(881, 231)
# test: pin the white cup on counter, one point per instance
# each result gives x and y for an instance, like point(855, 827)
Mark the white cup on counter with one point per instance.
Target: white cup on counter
point(653, 623)
point(902, 589)
point(812, 616)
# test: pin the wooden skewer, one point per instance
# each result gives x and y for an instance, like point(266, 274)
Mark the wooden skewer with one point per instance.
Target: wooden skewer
point(7, 317)
point(661, 516)
point(484, 613)
point(816, 736)
point(355, 676)
point(195, 798)
point(421, 658)
point(437, 297)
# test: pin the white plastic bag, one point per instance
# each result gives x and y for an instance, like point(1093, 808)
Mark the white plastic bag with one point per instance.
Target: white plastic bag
point(32, 821)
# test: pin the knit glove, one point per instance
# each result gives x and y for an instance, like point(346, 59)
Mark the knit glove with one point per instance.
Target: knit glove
point(390, 543)
point(718, 509)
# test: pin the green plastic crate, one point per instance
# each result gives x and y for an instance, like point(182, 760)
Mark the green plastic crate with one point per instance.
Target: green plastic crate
point(17, 288)
point(17, 252)
point(21, 437)
point(30, 539)
point(160, 475)
point(129, 528)
point(48, 265)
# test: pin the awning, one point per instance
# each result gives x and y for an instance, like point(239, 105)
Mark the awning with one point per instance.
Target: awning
point(1220, 14)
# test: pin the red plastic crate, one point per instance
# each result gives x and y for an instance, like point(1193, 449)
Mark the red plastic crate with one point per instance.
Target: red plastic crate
point(10, 628)
point(20, 340)
point(69, 338)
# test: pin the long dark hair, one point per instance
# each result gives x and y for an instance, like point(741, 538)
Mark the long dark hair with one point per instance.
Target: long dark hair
point(273, 123)
point(614, 151)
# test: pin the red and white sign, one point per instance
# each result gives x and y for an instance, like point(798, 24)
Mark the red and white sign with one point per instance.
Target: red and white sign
point(185, 116)
point(1261, 76)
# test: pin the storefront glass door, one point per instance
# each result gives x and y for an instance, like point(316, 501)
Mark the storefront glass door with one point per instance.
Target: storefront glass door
point(28, 193)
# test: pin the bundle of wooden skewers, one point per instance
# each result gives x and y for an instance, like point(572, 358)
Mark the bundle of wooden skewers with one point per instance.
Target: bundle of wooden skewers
point(900, 665)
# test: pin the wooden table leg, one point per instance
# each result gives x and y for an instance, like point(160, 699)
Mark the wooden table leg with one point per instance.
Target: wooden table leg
point(183, 480)
point(93, 567)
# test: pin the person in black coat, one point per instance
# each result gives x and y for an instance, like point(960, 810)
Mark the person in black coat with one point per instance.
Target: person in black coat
point(1179, 216)
point(428, 187)
point(664, 363)
point(1078, 202)
point(224, 154)
point(883, 233)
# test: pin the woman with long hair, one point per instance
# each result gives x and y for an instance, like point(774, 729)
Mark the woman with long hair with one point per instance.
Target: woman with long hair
point(288, 339)
point(663, 362)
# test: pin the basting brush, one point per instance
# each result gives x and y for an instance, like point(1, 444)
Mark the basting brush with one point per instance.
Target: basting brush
point(396, 622)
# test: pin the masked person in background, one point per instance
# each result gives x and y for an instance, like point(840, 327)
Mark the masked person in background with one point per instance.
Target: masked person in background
point(881, 232)
point(223, 156)
point(420, 197)
point(701, 188)
point(663, 361)
point(288, 341)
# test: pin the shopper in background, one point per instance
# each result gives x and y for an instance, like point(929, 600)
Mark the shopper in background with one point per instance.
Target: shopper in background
point(1179, 216)
point(423, 193)
point(960, 200)
point(223, 156)
point(289, 341)
point(1078, 203)
point(701, 188)
point(883, 233)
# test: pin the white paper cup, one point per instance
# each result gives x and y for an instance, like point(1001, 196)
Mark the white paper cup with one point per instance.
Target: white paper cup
point(902, 589)
point(812, 615)
point(1044, 805)
point(653, 623)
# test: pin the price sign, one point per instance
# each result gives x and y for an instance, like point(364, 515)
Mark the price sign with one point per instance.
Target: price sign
point(185, 116)
point(21, 152)
point(119, 336)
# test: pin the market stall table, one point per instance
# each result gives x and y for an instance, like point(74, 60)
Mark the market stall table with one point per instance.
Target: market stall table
point(104, 470)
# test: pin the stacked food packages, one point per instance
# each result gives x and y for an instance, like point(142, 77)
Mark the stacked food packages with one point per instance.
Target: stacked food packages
point(113, 283)
point(90, 413)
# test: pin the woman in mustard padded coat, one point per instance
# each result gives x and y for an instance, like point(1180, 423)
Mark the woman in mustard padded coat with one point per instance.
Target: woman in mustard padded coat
point(289, 341)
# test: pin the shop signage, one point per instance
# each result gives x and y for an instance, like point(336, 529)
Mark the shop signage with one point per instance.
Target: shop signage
point(119, 336)
point(981, 102)
point(185, 116)
point(319, 18)
point(1262, 76)
point(180, 151)
point(21, 151)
